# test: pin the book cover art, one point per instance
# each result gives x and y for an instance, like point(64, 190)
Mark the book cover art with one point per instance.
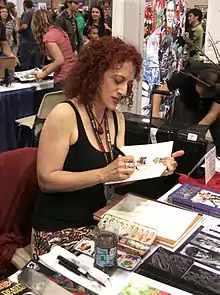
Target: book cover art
point(59, 279)
point(139, 285)
point(183, 270)
point(197, 199)
point(203, 248)
point(8, 287)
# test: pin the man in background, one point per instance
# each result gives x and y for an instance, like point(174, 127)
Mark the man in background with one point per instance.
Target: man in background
point(67, 22)
point(28, 50)
point(196, 33)
point(106, 10)
point(198, 101)
point(80, 22)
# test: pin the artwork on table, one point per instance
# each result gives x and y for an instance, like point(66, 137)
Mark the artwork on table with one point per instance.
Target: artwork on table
point(204, 247)
point(139, 285)
point(164, 21)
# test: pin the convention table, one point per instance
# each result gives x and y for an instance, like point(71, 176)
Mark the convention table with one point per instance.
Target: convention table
point(17, 101)
point(121, 277)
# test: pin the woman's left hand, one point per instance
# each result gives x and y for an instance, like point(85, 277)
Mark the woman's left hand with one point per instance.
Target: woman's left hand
point(171, 163)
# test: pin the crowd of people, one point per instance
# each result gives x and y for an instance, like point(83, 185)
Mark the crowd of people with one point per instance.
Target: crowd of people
point(51, 40)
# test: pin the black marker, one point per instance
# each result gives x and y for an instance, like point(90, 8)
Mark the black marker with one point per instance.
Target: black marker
point(118, 151)
point(71, 266)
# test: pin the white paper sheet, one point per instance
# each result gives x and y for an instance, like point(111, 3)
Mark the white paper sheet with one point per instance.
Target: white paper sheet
point(117, 279)
point(169, 222)
point(147, 158)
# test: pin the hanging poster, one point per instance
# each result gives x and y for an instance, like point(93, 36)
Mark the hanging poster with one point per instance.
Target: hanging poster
point(164, 21)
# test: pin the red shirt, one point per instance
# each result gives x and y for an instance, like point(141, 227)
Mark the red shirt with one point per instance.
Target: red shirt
point(55, 35)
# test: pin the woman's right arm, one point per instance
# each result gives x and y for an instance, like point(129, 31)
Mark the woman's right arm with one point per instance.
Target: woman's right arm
point(53, 148)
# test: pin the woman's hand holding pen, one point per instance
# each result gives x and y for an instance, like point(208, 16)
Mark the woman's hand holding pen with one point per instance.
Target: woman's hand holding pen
point(120, 169)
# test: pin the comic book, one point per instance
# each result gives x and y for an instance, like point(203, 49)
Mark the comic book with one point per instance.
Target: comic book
point(197, 199)
point(8, 287)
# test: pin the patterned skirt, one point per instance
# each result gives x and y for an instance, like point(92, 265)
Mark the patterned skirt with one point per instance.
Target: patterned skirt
point(43, 241)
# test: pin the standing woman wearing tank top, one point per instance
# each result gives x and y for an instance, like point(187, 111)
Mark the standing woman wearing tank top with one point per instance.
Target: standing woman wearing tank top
point(75, 156)
point(54, 43)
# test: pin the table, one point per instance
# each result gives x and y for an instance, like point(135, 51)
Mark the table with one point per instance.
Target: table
point(121, 277)
point(17, 101)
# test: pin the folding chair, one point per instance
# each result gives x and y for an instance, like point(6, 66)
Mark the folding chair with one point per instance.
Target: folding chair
point(35, 122)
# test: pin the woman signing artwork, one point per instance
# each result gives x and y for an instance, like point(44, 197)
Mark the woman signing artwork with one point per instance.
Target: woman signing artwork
point(76, 155)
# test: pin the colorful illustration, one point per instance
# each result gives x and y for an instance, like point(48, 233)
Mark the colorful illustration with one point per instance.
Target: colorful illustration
point(127, 261)
point(197, 198)
point(207, 198)
point(59, 279)
point(138, 285)
point(164, 21)
point(86, 246)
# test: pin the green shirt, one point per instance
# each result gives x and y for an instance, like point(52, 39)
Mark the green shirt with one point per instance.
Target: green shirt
point(80, 23)
point(197, 38)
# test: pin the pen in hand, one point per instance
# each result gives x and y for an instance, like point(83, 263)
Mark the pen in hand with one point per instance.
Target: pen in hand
point(120, 153)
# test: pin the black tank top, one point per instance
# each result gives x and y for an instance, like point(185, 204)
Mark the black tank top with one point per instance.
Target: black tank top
point(56, 211)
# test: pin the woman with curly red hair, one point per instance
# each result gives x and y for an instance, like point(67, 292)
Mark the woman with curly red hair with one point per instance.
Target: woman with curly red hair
point(76, 155)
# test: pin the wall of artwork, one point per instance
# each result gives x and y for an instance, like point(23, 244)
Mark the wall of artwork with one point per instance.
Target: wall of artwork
point(164, 21)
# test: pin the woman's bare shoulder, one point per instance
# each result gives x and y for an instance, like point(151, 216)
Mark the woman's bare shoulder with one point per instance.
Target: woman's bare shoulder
point(61, 116)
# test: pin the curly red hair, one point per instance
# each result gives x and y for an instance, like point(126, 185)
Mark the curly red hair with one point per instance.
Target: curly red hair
point(86, 78)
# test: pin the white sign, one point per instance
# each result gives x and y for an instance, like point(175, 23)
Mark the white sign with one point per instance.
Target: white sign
point(210, 163)
point(42, 6)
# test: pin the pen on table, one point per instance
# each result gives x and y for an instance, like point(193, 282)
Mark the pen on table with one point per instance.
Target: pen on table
point(71, 266)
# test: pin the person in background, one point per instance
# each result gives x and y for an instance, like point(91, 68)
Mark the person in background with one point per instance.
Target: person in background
point(56, 45)
point(198, 102)
point(12, 10)
point(28, 50)
point(106, 10)
point(5, 18)
point(196, 34)
point(4, 46)
point(80, 22)
point(76, 144)
point(67, 22)
point(96, 18)
point(13, 14)
point(93, 33)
